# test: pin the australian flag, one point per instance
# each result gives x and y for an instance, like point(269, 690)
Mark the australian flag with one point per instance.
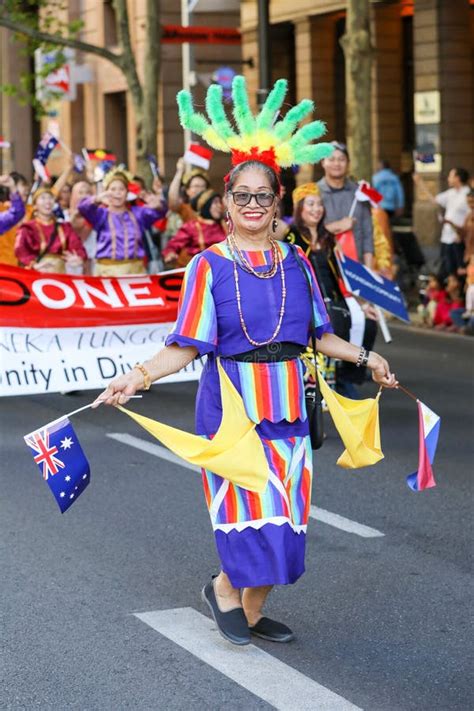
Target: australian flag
point(45, 147)
point(61, 461)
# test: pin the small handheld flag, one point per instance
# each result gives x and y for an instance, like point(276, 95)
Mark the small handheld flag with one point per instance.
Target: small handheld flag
point(61, 461)
point(198, 155)
point(100, 154)
point(79, 163)
point(365, 192)
point(45, 147)
point(429, 426)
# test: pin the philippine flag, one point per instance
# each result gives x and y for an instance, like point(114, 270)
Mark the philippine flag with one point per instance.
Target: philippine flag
point(61, 461)
point(429, 424)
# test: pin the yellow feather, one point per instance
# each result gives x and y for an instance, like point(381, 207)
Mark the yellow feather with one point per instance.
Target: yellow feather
point(284, 155)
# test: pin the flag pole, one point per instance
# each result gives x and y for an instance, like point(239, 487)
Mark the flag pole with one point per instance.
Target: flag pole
point(74, 412)
point(383, 325)
point(407, 392)
point(353, 207)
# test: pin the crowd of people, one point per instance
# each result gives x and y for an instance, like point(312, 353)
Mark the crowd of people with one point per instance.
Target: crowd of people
point(117, 226)
point(447, 301)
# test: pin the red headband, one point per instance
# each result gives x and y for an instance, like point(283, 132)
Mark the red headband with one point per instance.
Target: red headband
point(267, 158)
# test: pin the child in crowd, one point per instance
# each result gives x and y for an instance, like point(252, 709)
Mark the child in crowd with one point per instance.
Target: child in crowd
point(431, 297)
point(450, 304)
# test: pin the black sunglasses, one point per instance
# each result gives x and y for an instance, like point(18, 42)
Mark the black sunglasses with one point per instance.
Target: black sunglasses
point(263, 199)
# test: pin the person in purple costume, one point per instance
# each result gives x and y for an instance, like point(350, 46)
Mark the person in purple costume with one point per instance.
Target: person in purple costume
point(120, 227)
point(16, 211)
point(260, 538)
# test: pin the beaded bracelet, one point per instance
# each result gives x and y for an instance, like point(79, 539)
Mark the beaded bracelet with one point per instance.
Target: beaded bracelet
point(146, 375)
point(363, 358)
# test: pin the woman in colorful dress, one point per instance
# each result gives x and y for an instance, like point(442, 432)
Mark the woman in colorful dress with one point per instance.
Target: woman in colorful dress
point(196, 235)
point(246, 303)
point(16, 210)
point(45, 244)
point(120, 227)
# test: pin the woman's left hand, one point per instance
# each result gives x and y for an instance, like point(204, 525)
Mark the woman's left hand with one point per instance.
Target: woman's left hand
point(381, 371)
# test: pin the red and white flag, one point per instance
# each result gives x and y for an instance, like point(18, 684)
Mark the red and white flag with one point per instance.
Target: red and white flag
point(366, 193)
point(198, 155)
point(4, 143)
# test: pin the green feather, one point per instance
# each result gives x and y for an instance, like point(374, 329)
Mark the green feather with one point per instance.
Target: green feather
point(272, 105)
point(308, 132)
point(216, 112)
point(242, 114)
point(285, 128)
point(189, 118)
point(312, 153)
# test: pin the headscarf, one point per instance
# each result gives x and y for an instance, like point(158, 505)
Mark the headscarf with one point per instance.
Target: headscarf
point(42, 191)
point(117, 174)
point(202, 204)
point(195, 173)
point(305, 190)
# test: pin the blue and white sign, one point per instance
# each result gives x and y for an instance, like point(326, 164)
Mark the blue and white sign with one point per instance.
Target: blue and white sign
point(362, 281)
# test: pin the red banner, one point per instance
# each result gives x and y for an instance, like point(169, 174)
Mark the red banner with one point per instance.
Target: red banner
point(38, 300)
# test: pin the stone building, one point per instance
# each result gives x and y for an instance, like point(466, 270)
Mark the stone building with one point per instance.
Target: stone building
point(422, 50)
point(102, 115)
point(422, 53)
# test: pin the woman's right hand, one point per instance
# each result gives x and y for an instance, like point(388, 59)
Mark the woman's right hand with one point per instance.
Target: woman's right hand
point(103, 197)
point(120, 390)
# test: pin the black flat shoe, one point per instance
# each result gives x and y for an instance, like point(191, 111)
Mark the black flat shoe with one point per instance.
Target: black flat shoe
point(272, 631)
point(232, 625)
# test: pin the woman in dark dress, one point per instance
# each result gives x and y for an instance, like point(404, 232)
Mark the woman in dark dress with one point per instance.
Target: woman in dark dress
point(308, 232)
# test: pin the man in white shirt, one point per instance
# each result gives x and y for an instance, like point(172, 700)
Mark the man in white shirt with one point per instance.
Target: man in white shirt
point(453, 203)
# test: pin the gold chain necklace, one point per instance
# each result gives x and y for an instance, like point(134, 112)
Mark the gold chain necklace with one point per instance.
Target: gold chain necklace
point(278, 263)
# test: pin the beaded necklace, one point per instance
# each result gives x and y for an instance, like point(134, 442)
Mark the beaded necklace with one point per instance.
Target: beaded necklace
point(245, 264)
point(277, 262)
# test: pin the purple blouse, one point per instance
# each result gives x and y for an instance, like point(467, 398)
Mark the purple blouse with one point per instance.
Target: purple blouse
point(14, 214)
point(119, 234)
point(208, 319)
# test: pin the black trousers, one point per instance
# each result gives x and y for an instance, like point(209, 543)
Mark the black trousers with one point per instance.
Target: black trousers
point(452, 258)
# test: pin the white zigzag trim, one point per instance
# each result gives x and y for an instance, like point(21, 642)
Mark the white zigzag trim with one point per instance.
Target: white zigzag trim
point(258, 523)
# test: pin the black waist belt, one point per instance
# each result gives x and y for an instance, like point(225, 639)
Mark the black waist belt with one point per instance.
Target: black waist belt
point(271, 353)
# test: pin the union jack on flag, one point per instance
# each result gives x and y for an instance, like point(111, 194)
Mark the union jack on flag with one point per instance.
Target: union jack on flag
point(61, 461)
point(45, 454)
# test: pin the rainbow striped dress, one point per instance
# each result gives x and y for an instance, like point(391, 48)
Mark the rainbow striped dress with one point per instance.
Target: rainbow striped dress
point(260, 538)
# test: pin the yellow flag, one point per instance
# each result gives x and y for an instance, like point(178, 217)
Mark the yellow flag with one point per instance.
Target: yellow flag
point(357, 422)
point(235, 453)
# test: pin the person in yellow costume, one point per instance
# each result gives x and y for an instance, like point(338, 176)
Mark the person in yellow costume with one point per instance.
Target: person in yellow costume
point(249, 304)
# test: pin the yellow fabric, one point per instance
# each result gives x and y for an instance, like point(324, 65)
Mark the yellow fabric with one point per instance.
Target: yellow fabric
point(357, 422)
point(235, 453)
point(303, 191)
point(382, 243)
point(118, 267)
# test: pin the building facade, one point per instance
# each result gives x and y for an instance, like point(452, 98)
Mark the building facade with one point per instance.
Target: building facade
point(101, 115)
point(423, 52)
point(423, 56)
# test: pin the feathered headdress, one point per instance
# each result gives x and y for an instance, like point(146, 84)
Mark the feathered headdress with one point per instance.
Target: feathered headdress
point(279, 145)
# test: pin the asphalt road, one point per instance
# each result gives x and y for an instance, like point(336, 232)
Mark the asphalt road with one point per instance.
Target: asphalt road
point(383, 622)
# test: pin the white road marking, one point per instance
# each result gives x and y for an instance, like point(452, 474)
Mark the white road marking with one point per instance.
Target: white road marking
point(321, 515)
point(257, 671)
point(345, 524)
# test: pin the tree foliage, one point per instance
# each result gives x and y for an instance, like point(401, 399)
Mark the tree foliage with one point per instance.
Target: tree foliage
point(46, 25)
